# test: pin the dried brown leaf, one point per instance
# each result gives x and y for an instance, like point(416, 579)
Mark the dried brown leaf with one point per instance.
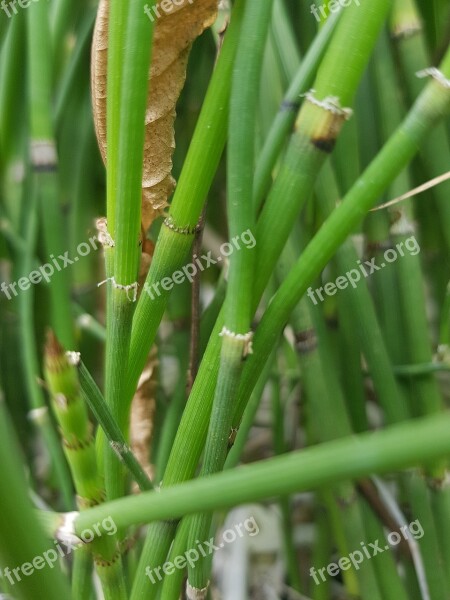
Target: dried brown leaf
point(174, 34)
point(143, 412)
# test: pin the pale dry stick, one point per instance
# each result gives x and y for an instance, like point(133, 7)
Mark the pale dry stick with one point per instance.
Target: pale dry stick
point(414, 548)
point(418, 190)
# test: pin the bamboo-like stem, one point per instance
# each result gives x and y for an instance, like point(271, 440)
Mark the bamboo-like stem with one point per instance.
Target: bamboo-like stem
point(394, 448)
point(176, 236)
point(236, 334)
point(79, 447)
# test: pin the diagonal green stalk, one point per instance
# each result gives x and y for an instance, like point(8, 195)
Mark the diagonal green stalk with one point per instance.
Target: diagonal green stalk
point(173, 245)
point(93, 398)
point(431, 106)
point(397, 447)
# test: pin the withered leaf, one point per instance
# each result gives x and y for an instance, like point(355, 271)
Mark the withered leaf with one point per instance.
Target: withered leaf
point(175, 31)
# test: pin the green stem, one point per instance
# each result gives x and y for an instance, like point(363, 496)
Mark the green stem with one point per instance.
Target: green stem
point(93, 398)
point(79, 447)
point(286, 116)
point(238, 301)
point(125, 163)
point(44, 163)
point(400, 446)
point(430, 107)
point(39, 410)
point(16, 516)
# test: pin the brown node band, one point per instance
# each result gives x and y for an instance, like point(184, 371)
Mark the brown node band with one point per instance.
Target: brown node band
point(306, 341)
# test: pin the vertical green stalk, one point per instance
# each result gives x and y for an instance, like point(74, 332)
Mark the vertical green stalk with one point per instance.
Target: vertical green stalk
point(328, 418)
point(406, 29)
point(125, 163)
point(44, 163)
point(39, 411)
point(17, 516)
point(279, 446)
point(236, 333)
